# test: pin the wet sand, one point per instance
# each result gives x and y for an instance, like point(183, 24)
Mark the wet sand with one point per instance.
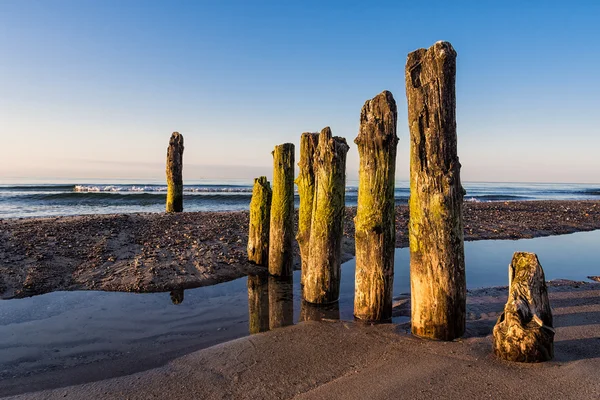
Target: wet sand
point(333, 360)
point(160, 252)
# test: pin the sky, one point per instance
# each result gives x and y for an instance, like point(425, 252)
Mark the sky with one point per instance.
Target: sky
point(93, 89)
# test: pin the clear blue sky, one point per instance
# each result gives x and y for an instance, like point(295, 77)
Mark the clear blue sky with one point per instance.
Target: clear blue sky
point(93, 89)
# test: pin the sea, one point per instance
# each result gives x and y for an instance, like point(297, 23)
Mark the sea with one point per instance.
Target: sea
point(23, 200)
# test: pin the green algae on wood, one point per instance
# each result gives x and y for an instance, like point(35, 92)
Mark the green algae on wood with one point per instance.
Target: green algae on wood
point(281, 230)
point(258, 230)
point(175, 173)
point(258, 303)
point(306, 191)
point(375, 232)
point(437, 265)
point(524, 331)
point(322, 277)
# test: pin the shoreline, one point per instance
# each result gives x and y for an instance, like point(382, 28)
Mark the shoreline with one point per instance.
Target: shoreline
point(158, 252)
point(339, 359)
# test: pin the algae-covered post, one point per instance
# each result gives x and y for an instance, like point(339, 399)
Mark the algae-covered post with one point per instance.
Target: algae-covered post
point(281, 227)
point(258, 231)
point(175, 173)
point(258, 303)
point(322, 278)
point(524, 331)
point(437, 265)
point(306, 191)
point(375, 232)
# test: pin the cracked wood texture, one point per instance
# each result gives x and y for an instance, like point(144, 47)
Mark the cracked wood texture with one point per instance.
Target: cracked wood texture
point(375, 232)
point(322, 278)
point(175, 173)
point(258, 230)
point(281, 230)
point(524, 331)
point(437, 266)
point(306, 192)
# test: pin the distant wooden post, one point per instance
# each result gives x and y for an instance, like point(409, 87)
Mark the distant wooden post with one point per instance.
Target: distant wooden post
point(524, 331)
point(437, 264)
point(258, 231)
point(281, 302)
point(375, 232)
point(322, 279)
point(258, 304)
point(281, 231)
point(306, 191)
point(175, 173)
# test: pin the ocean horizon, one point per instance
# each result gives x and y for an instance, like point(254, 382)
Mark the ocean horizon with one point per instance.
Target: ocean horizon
point(62, 198)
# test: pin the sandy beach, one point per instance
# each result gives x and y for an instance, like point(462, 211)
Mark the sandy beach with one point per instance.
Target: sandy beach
point(299, 200)
point(332, 360)
point(160, 252)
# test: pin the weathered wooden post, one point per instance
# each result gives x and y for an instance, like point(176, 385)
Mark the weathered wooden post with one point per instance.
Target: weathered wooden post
point(258, 303)
point(524, 331)
point(375, 231)
point(322, 278)
point(175, 173)
point(437, 265)
point(306, 191)
point(281, 231)
point(258, 231)
point(281, 302)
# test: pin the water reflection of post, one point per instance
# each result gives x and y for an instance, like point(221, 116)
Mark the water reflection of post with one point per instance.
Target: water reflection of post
point(258, 304)
point(312, 312)
point(281, 302)
point(177, 296)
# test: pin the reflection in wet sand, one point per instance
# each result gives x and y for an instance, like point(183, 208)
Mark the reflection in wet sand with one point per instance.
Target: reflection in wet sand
point(270, 303)
point(281, 302)
point(313, 312)
point(258, 304)
point(177, 296)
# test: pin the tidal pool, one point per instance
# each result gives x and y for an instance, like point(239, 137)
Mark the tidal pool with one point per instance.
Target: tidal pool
point(65, 330)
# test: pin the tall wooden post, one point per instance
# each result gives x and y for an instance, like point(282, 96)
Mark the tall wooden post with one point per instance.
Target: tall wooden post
point(375, 232)
point(281, 231)
point(306, 191)
point(258, 303)
point(322, 279)
point(437, 265)
point(258, 231)
point(281, 302)
point(175, 173)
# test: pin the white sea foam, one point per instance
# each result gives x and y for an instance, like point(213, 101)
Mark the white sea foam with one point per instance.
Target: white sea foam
point(154, 189)
point(110, 188)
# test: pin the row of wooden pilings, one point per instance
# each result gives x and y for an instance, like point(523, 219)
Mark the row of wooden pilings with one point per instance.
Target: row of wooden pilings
point(438, 287)
point(523, 332)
